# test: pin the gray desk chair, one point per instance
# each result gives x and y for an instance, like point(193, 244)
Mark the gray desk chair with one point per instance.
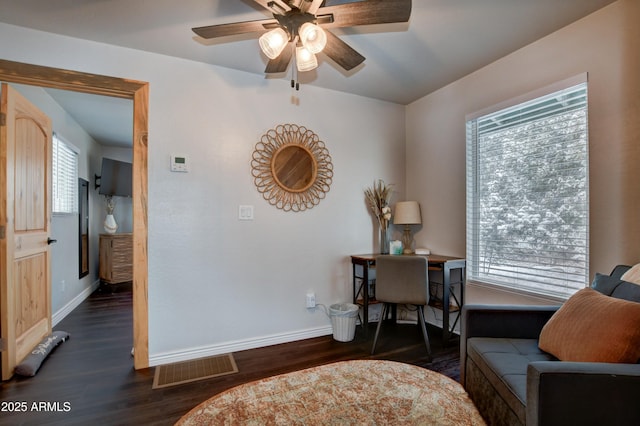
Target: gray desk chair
point(404, 280)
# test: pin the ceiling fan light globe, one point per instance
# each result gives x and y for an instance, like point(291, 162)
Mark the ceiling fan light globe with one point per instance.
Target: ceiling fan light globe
point(273, 42)
point(305, 60)
point(313, 37)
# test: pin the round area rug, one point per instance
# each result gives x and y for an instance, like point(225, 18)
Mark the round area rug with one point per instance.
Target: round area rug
point(343, 393)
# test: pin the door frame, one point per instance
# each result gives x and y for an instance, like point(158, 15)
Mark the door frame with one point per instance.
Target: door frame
point(138, 91)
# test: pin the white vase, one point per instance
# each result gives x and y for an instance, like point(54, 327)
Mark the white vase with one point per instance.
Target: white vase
point(110, 224)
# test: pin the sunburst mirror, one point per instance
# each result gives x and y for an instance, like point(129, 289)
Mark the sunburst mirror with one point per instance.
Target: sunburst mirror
point(292, 168)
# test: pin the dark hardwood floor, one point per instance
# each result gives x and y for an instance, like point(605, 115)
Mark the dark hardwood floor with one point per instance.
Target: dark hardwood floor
point(90, 380)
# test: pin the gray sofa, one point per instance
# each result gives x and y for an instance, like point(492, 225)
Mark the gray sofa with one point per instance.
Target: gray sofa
point(513, 382)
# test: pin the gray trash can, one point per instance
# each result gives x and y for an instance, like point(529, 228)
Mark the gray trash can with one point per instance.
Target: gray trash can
point(343, 320)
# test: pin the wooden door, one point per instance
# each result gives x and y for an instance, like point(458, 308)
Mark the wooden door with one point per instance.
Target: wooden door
point(25, 220)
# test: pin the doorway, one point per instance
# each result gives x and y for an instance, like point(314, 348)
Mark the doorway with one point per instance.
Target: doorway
point(16, 72)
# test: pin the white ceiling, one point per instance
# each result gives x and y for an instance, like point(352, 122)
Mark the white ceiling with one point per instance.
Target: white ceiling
point(108, 120)
point(443, 41)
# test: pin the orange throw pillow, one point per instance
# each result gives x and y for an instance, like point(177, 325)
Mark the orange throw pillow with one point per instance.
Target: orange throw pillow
point(592, 327)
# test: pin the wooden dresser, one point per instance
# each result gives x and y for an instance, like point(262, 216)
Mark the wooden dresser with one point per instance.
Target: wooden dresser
point(116, 258)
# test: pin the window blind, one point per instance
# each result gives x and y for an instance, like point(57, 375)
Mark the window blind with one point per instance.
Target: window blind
point(527, 195)
point(65, 177)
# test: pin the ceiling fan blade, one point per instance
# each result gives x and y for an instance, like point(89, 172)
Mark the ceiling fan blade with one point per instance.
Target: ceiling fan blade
point(367, 13)
point(311, 6)
point(279, 64)
point(222, 30)
point(341, 53)
point(274, 6)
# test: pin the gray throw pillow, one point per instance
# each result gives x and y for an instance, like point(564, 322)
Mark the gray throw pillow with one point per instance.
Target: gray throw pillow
point(615, 287)
point(605, 284)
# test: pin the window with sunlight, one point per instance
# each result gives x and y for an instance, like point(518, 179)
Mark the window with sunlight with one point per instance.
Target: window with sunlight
point(65, 177)
point(528, 193)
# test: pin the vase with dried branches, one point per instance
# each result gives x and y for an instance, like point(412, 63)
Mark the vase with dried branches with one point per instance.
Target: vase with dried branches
point(378, 197)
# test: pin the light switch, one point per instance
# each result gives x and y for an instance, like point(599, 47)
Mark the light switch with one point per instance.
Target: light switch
point(245, 212)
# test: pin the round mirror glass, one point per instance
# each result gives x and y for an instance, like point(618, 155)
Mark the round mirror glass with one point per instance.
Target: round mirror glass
point(294, 168)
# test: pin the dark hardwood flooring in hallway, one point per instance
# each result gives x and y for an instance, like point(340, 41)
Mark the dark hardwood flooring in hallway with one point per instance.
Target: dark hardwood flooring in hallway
point(91, 380)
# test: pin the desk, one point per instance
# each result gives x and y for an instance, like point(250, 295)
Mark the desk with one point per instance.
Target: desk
point(446, 264)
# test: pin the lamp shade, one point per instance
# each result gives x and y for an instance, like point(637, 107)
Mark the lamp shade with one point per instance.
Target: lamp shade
point(273, 42)
point(305, 60)
point(313, 37)
point(407, 213)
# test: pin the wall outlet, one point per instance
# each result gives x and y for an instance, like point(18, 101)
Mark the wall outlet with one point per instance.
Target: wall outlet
point(311, 300)
point(63, 286)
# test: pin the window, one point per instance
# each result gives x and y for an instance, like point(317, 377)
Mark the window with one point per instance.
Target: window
point(527, 194)
point(65, 177)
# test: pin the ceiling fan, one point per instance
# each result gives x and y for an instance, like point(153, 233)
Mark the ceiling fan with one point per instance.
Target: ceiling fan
point(305, 24)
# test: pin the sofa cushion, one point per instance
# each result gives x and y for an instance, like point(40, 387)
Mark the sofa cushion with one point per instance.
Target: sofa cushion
point(504, 361)
point(592, 327)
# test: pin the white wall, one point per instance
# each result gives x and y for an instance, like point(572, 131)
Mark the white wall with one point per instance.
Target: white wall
point(216, 283)
point(605, 44)
point(67, 290)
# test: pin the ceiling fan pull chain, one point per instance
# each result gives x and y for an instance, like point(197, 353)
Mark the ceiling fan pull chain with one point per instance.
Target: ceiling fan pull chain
point(294, 73)
point(293, 82)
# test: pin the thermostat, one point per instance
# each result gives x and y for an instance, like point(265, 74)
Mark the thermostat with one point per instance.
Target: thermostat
point(179, 163)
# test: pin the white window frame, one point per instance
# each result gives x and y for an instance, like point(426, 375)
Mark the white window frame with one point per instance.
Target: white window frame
point(64, 173)
point(541, 271)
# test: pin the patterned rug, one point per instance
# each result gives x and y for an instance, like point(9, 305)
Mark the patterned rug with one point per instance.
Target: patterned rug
point(358, 392)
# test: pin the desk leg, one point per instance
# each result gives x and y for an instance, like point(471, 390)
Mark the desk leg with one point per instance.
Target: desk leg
point(446, 295)
point(365, 298)
point(354, 282)
point(364, 288)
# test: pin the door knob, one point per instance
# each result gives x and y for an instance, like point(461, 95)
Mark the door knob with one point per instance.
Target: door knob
point(51, 241)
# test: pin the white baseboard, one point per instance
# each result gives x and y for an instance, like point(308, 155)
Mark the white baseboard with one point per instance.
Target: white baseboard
point(238, 345)
point(74, 303)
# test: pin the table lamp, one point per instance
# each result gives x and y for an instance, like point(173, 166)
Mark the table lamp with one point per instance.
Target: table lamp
point(407, 213)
